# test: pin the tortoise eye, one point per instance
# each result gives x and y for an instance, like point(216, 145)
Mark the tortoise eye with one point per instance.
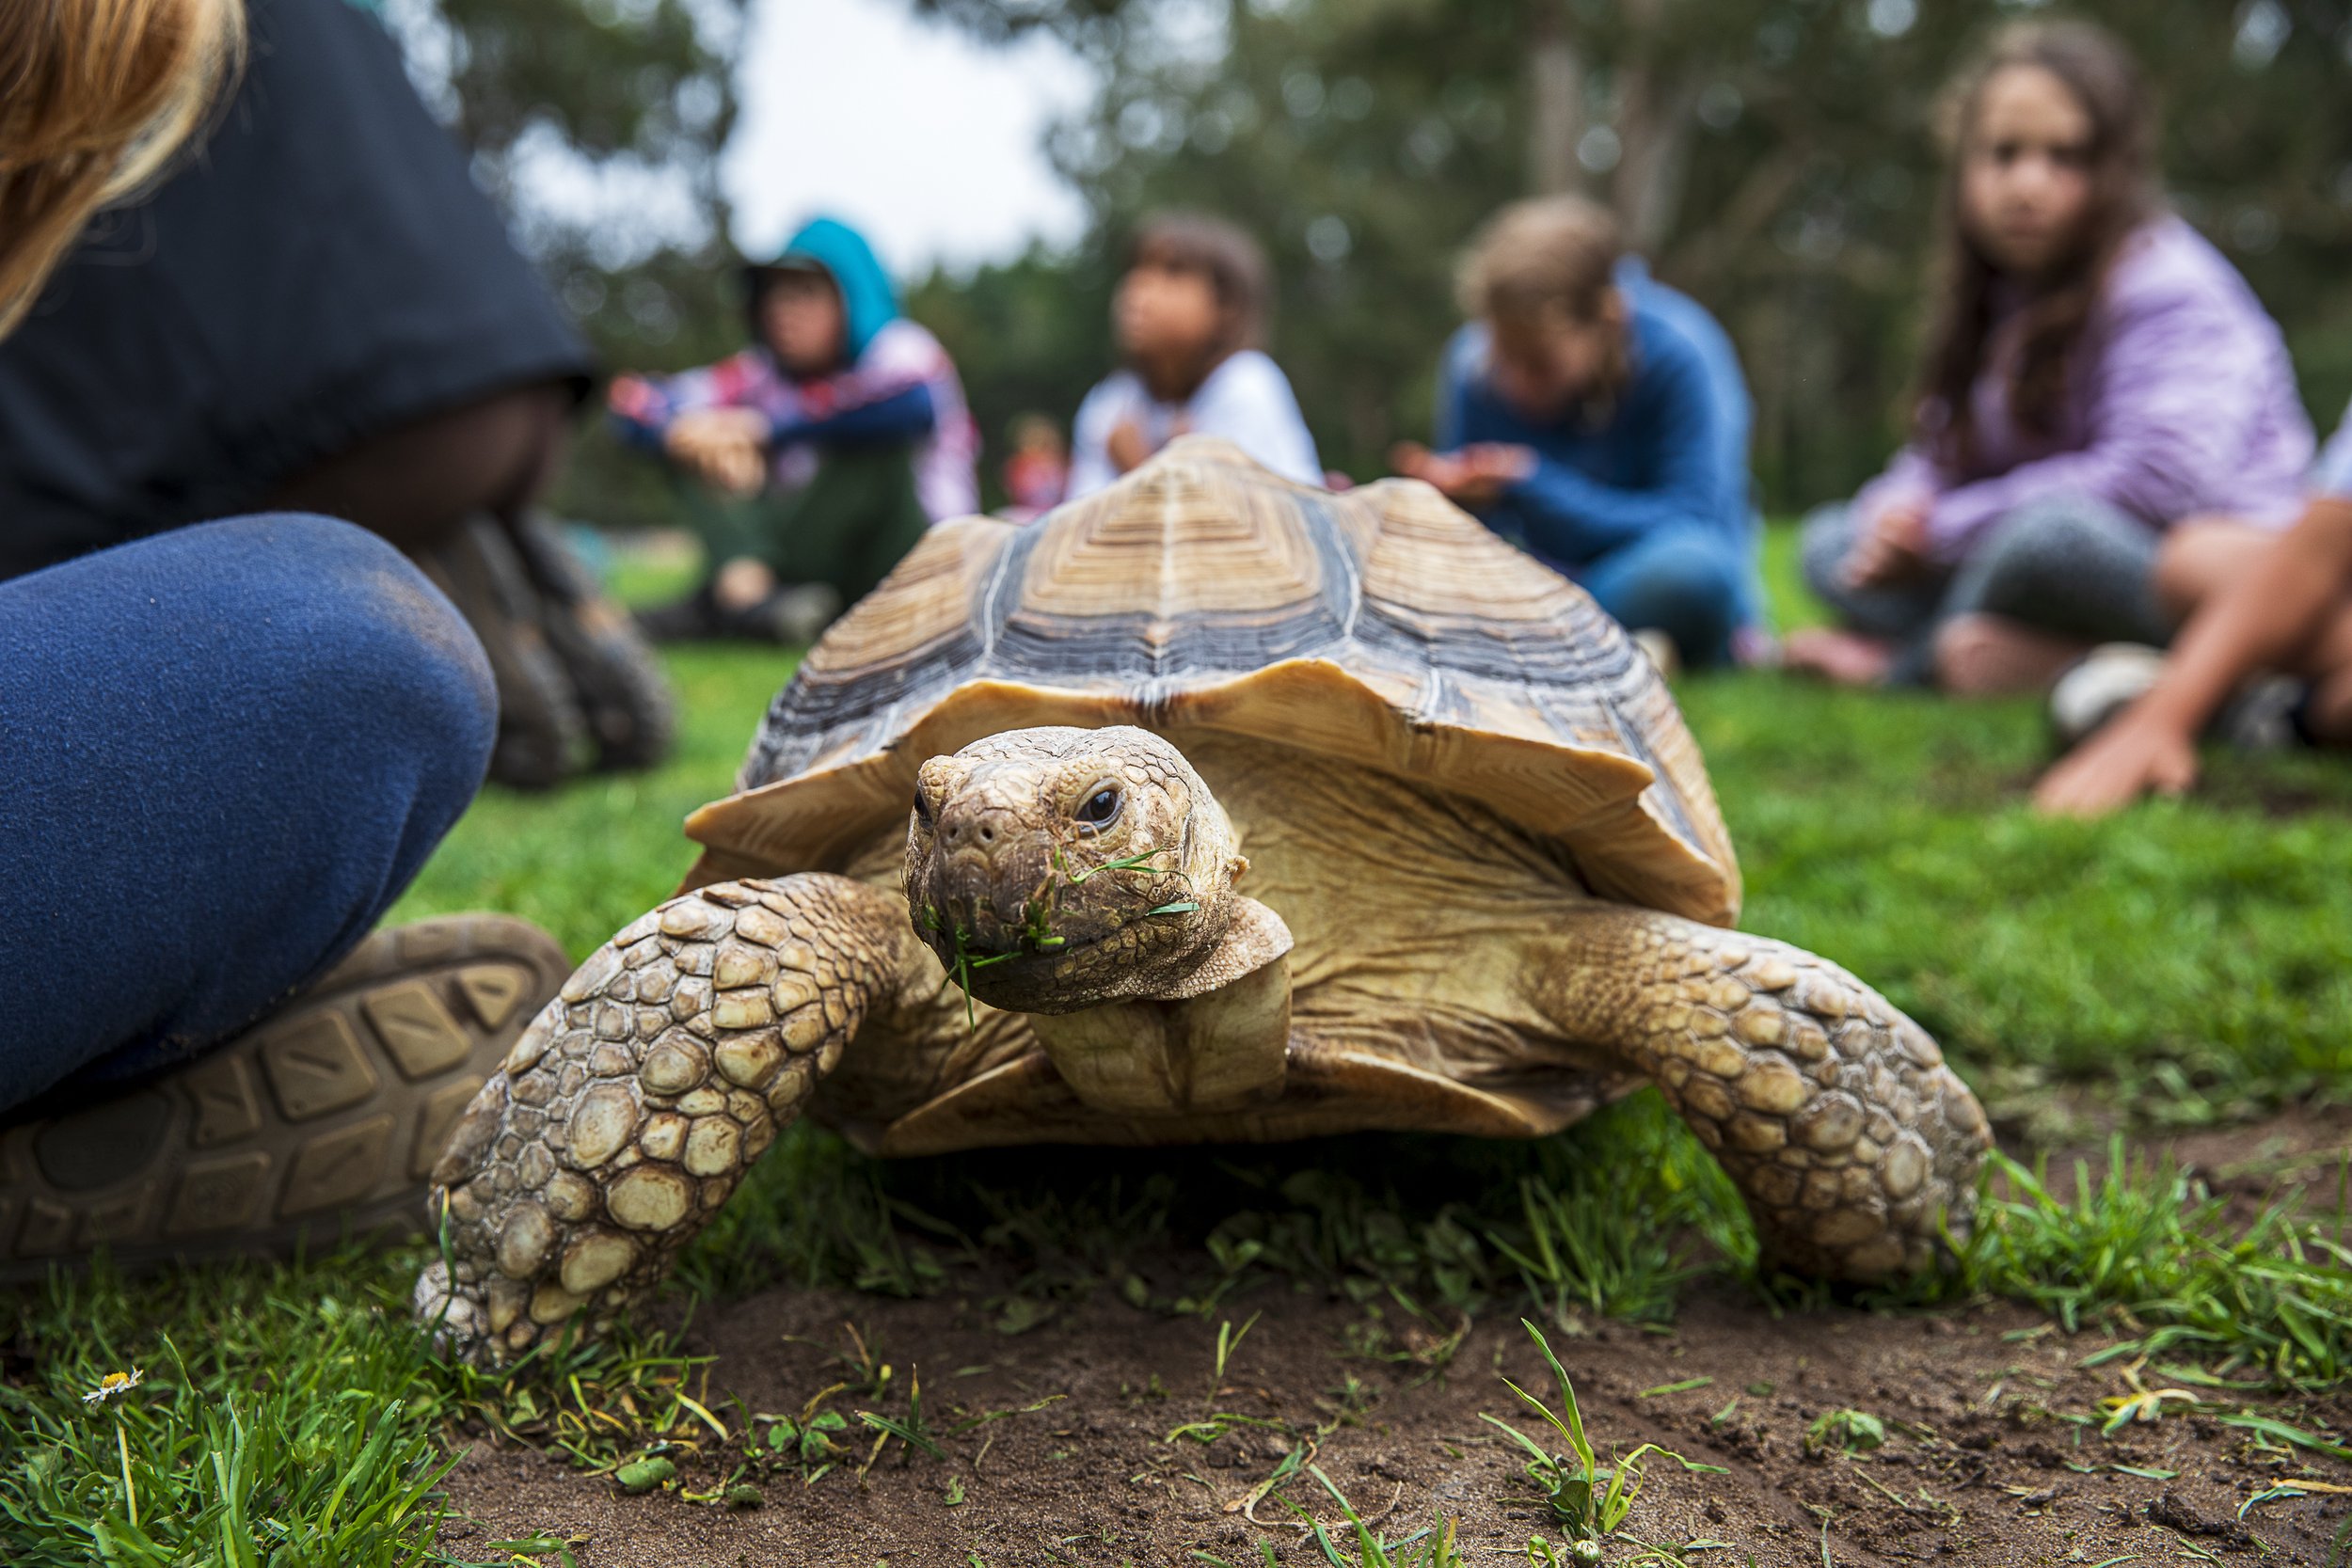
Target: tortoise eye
point(922, 809)
point(1100, 810)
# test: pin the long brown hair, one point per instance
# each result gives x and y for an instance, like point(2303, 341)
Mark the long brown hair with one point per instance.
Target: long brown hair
point(1550, 257)
point(95, 98)
point(2101, 74)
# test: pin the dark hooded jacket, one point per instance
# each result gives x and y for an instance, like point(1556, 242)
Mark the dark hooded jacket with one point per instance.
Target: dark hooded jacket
point(323, 270)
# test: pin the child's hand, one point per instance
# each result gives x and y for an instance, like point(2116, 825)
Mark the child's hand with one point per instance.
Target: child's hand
point(1475, 476)
point(1488, 469)
point(1894, 546)
point(2135, 755)
point(725, 448)
point(1126, 446)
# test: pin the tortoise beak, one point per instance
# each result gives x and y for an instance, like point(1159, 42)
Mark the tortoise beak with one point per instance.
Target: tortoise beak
point(986, 866)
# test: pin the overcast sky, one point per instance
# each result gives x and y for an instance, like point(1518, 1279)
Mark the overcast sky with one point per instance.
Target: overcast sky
point(924, 141)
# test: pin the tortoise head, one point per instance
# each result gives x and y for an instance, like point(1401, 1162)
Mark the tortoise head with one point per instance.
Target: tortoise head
point(1054, 869)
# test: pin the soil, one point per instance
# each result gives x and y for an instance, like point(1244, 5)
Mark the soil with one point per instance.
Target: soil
point(1986, 1459)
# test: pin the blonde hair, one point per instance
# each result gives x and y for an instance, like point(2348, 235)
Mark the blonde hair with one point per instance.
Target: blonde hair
point(1551, 258)
point(1553, 253)
point(96, 96)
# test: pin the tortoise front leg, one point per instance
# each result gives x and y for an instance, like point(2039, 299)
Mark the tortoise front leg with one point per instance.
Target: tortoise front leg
point(1851, 1140)
point(629, 1110)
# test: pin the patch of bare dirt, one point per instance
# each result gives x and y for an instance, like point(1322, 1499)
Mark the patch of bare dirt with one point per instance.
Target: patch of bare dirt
point(1979, 1465)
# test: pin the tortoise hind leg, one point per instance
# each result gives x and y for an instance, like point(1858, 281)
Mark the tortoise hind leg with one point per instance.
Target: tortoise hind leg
point(634, 1103)
point(1854, 1146)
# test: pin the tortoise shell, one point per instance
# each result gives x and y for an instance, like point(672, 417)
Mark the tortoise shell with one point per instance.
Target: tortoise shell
point(1382, 626)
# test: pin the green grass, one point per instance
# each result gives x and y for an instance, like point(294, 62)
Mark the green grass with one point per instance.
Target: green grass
point(2182, 963)
point(1587, 1499)
point(592, 856)
point(2149, 1251)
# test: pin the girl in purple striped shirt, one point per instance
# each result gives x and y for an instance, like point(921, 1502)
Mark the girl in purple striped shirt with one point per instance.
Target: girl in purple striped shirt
point(2099, 384)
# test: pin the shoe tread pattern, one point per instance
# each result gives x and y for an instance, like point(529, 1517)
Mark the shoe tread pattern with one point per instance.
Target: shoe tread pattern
point(327, 1115)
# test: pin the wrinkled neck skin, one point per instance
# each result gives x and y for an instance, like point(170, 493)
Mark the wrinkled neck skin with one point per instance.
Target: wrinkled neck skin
point(1058, 869)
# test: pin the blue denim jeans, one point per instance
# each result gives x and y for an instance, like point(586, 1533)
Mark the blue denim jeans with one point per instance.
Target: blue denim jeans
point(224, 752)
point(1688, 583)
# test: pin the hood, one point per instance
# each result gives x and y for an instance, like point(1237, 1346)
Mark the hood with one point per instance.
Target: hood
point(867, 300)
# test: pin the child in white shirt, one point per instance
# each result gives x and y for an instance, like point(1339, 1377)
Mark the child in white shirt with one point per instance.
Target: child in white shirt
point(1187, 316)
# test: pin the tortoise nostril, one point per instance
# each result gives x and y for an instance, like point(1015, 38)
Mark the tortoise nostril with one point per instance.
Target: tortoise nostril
point(988, 834)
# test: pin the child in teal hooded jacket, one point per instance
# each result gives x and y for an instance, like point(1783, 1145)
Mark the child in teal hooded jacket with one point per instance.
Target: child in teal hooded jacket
point(820, 452)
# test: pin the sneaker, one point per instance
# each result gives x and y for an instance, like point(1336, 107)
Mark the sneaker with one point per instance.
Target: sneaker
point(543, 733)
point(692, 618)
point(632, 716)
point(320, 1121)
point(2260, 716)
point(2098, 685)
point(795, 613)
point(2263, 714)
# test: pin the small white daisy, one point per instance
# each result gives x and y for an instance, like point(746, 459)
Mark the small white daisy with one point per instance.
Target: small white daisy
point(111, 1384)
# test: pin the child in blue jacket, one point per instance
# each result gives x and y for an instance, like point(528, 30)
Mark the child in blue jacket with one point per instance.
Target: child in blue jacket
point(1598, 419)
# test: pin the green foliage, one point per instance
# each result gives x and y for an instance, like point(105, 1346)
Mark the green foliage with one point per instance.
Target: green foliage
point(1845, 1431)
point(1617, 1240)
point(272, 1421)
point(1431, 1546)
point(2154, 1255)
point(1588, 1499)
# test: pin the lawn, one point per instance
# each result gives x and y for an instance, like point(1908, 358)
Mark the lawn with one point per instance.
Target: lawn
point(2184, 966)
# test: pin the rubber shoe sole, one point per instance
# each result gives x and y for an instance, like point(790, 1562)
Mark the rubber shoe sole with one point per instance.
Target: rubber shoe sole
point(320, 1121)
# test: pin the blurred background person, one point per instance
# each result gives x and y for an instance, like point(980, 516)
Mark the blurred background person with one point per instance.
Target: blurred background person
point(1188, 316)
point(2265, 659)
point(2098, 375)
point(226, 746)
point(1598, 419)
point(1037, 470)
point(323, 313)
point(815, 457)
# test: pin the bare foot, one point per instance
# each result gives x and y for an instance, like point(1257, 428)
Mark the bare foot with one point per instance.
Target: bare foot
point(1840, 657)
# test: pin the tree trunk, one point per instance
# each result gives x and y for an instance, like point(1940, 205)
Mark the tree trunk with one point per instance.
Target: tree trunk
point(1555, 103)
point(1654, 111)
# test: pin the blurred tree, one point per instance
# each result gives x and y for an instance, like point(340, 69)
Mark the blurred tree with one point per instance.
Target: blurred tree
point(1028, 336)
point(1777, 158)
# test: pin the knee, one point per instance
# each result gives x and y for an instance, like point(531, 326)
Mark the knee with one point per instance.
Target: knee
point(2197, 556)
point(2039, 539)
point(1688, 582)
point(1823, 540)
point(1966, 647)
point(1687, 588)
point(374, 654)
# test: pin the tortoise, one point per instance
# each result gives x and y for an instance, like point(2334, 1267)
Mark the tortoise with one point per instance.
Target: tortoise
point(1211, 807)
